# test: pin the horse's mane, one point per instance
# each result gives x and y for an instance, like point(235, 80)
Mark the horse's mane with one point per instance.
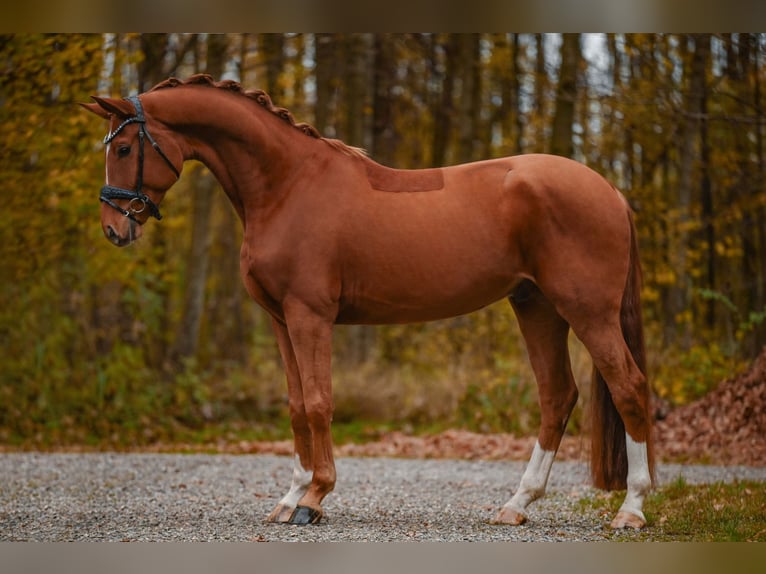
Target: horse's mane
point(263, 99)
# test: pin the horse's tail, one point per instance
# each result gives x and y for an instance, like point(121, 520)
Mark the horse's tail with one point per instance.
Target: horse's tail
point(609, 460)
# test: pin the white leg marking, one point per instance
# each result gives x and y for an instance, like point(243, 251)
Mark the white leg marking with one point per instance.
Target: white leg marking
point(299, 486)
point(639, 481)
point(534, 480)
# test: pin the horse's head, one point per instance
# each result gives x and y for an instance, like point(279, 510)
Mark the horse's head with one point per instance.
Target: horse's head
point(142, 162)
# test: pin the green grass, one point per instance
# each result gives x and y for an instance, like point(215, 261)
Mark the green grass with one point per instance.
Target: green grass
point(682, 512)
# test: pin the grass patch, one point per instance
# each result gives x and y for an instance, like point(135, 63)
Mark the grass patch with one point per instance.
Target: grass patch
point(681, 512)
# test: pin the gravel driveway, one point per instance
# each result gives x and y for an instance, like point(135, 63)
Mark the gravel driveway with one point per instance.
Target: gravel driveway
point(166, 497)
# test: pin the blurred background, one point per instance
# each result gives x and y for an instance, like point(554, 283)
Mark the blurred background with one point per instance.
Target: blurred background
point(159, 342)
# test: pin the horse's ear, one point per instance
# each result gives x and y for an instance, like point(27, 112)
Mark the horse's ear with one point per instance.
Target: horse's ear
point(106, 107)
point(96, 109)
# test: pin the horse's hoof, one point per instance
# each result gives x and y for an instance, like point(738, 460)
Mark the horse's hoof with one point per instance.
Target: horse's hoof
point(281, 513)
point(625, 519)
point(305, 515)
point(509, 516)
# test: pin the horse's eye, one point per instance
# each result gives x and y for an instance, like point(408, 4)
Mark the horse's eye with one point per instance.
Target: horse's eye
point(123, 150)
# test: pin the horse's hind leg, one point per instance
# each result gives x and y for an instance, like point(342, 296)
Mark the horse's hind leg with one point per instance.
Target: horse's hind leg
point(545, 333)
point(628, 390)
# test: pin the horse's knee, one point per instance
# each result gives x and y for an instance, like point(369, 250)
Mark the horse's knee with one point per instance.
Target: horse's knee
point(318, 411)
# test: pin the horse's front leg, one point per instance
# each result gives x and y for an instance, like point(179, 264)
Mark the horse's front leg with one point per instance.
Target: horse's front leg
point(303, 463)
point(310, 335)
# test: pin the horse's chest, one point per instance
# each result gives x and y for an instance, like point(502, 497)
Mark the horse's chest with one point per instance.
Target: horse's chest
point(259, 284)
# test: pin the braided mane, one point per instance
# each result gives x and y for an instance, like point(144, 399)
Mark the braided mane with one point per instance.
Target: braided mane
point(263, 99)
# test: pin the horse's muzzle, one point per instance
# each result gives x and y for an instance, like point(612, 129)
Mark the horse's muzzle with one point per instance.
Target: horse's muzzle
point(119, 240)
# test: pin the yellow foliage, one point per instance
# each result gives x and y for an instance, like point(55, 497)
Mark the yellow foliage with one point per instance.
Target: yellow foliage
point(85, 328)
point(683, 376)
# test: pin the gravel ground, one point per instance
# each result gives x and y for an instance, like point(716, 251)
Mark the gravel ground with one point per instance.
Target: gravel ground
point(166, 497)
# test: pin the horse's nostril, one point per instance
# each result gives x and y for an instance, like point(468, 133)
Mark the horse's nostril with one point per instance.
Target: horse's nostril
point(111, 234)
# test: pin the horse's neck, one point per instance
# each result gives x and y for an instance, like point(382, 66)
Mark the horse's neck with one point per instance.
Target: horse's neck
point(249, 150)
point(238, 146)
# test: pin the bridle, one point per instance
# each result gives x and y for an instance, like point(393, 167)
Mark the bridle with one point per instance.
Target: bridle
point(138, 201)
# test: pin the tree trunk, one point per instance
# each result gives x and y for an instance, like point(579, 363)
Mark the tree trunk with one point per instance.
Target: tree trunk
point(361, 338)
point(355, 97)
point(273, 55)
point(515, 95)
point(751, 181)
point(680, 293)
point(383, 129)
point(507, 116)
point(760, 214)
point(201, 189)
point(541, 76)
point(566, 94)
point(706, 185)
point(444, 109)
point(325, 64)
point(151, 69)
point(469, 107)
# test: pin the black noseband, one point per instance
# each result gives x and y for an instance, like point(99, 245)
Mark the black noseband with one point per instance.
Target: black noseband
point(137, 204)
point(137, 200)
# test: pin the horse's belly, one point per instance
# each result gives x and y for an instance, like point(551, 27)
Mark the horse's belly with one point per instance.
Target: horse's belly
point(419, 302)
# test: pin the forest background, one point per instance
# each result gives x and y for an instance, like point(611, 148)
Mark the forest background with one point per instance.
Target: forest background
point(159, 341)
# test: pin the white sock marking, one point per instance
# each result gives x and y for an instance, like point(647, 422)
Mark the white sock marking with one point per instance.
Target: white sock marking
point(534, 480)
point(639, 480)
point(299, 486)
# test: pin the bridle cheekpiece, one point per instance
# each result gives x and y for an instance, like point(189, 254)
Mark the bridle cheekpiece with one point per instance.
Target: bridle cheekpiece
point(137, 200)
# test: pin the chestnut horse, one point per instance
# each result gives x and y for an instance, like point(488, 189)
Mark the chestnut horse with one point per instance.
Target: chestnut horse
point(331, 237)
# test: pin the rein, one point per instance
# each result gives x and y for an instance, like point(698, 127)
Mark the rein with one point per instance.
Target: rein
point(138, 201)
